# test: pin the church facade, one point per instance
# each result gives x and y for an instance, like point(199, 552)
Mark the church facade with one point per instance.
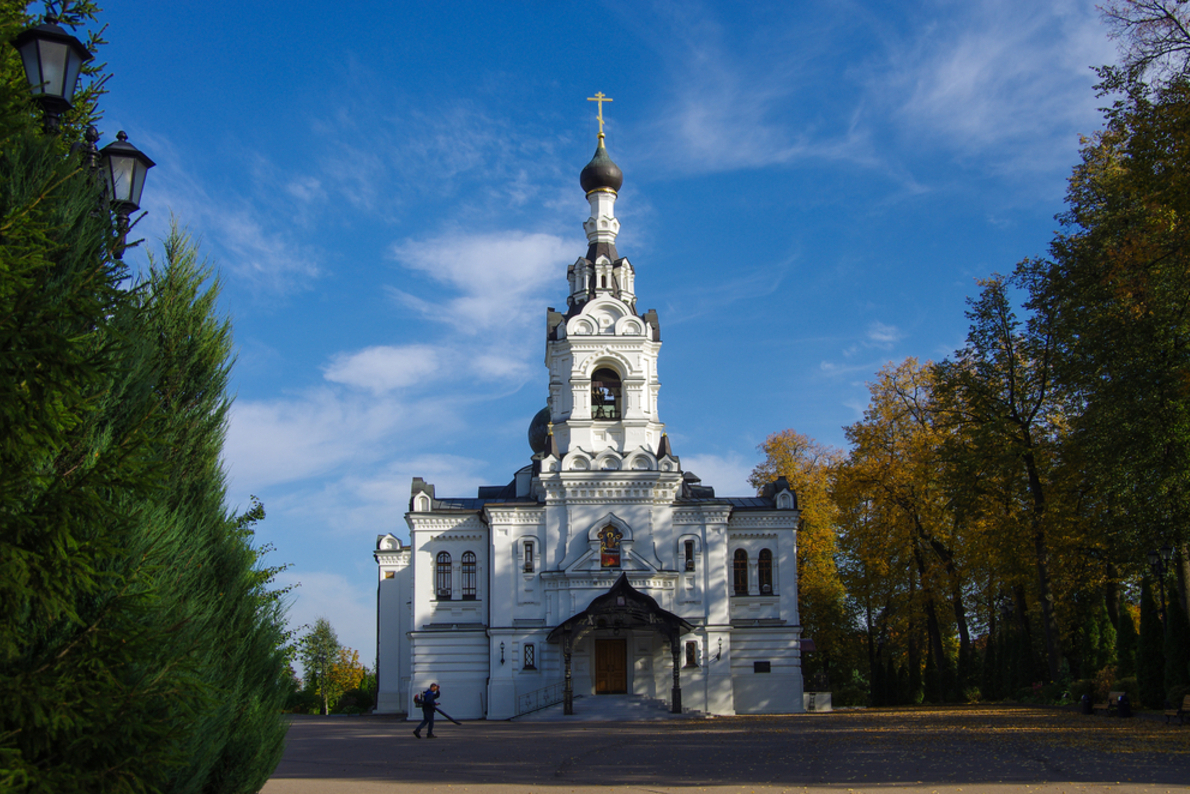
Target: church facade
point(601, 567)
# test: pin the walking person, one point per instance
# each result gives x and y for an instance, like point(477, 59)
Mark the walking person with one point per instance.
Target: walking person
point(429, 704)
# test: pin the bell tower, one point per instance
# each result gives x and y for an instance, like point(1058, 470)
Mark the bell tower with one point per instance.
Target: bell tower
point(602, 354)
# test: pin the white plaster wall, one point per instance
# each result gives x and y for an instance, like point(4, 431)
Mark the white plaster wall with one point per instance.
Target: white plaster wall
point(457, 660)
point(393, 605)
point(775, 692)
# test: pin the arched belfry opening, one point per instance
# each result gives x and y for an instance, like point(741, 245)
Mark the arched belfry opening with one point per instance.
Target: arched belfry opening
point(623, 608)
point(607, 394)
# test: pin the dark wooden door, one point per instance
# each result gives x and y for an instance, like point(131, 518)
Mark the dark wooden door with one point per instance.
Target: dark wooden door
point(611, 667)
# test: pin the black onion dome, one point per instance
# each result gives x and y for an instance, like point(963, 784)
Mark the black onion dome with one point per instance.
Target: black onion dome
point(601, 172)
point(539, 431)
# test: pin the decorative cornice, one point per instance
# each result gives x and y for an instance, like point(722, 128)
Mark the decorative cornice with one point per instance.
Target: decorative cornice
point(664, 580)
point(523, 516)
point(775, 521)
point(734, 533)
point(425, 522)
point(702, 515)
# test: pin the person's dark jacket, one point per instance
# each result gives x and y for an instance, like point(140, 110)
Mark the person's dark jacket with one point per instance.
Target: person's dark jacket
point(429, 699)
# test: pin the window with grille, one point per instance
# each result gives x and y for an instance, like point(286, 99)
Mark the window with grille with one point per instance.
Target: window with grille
point(765, 572)
point(469, 576)
point(528, 556)
point(740, 572)
point(689, 555)
point(692, 654)
point(443, 578)
point(530, 656)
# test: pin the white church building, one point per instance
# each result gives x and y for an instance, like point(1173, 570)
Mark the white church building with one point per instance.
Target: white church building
point(601, 567)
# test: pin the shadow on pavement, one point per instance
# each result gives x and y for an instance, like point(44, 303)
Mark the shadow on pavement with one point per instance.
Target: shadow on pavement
point(889, 747)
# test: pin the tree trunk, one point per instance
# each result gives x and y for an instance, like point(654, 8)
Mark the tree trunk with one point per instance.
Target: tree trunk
point(1112, 593)
point(1182, 565)
point(1049, 620)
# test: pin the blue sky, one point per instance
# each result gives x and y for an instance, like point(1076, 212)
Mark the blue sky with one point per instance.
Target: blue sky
point(390, 191)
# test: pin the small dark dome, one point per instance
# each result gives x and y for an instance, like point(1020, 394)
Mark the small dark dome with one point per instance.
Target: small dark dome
point(539, 431)
point(601, 172)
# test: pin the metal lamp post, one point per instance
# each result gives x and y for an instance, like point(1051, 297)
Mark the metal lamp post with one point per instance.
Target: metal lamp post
point(53, 59)
point(124, 167)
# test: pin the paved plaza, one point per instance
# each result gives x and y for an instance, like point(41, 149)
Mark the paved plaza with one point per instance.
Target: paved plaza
point(962, 749)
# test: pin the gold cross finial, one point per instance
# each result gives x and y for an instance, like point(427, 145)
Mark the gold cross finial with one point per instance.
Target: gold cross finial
point(600, 98)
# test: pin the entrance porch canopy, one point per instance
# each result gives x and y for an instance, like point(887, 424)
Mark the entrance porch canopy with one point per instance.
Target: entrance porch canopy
point(621, 607)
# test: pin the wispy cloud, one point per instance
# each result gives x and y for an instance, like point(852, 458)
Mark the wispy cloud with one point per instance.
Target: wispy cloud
point(498, 278)
point(382, 369)
point(882, 335)
point(246, 233)
point(1009, 84)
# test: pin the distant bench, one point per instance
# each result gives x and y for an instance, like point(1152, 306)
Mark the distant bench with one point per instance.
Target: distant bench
point(1183, 714)
point(1113, 703)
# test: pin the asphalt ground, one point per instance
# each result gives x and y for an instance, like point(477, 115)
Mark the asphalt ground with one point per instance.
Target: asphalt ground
point(961, 749)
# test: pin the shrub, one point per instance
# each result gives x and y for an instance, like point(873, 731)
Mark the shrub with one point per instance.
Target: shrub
point(303, 702)
point(851, 694)
point(1176, 694)
point(1083, 686)
point(354, 701)
point(1130, 686)
point(1104, 680)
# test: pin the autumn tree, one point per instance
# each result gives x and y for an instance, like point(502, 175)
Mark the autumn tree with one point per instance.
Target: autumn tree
point(344, 675)
point(1115, 285)
point(807, 467)
point(1000, 393)
point(319, 652)
point(1154, 37)
point(894, 474)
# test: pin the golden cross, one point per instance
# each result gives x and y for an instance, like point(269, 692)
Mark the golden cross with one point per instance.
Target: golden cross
point(600, 98)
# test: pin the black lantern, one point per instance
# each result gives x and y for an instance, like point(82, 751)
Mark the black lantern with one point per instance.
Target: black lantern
point(124, 167)
point(52, 59)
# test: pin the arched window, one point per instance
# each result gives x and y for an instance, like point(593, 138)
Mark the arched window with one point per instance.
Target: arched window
point(689, 555)
point(469, 576)
point(764, 572)
point(740, 572)
point(444, 576)
point(606, 394)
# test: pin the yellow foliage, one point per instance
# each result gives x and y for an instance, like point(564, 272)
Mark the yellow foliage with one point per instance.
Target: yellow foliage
point(345, 673)
point(807, 466)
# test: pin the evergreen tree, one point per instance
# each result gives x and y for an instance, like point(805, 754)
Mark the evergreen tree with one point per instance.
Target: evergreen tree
point(877, 683)
point(1150, 661)
point(987, 682)
point(932, 683)
point(230, 622)
point(1126, 641)
point(1106, 649)
point(1177, 646)
point(1088, 646)
point(139, 639)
